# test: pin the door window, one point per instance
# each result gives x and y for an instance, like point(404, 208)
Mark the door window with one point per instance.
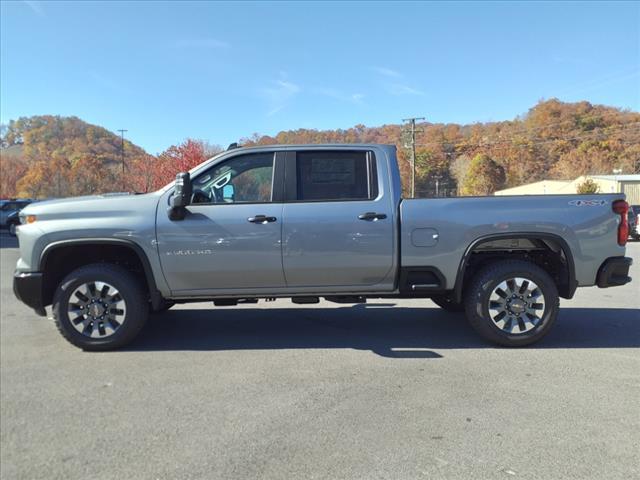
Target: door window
point(328, 176)
point(242, 179)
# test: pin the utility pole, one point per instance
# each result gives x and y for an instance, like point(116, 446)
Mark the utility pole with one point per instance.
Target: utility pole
point(412, 124)
point(122, 156)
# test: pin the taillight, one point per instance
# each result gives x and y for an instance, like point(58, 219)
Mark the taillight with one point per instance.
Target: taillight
point(622, 208)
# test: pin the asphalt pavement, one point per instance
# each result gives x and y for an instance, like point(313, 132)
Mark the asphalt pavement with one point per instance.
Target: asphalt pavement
point(394, 389)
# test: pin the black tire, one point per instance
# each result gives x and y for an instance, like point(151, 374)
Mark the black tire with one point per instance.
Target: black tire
point(447, 303)
point(480, 289)
point(12, 229)
point(130, 291)
point(166, 305)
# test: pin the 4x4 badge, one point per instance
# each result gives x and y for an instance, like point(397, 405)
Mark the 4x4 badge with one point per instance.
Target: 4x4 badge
point(587, 203)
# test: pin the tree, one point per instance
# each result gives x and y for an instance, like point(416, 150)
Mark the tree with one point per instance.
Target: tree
point(12, 169)
point(459, 168)
point(587, 187)
point(183, 157)
point(484, 177)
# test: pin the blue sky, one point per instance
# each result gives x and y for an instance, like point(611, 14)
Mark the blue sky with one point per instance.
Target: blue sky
point(218, 71)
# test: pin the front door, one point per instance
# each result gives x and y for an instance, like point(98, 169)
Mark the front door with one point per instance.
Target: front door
point(231, 236)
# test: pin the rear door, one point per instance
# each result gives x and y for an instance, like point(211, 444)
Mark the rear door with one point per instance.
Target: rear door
point(338, 222)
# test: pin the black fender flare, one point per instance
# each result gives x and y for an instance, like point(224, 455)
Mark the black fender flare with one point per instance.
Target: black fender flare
point(154, 294)
point(564, 246)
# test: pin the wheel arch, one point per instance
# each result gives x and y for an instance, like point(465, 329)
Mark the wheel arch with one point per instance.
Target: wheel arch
point(566, 287)
point(97, 249)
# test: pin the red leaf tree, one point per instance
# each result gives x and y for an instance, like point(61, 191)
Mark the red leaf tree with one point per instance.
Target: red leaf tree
point(151, 173)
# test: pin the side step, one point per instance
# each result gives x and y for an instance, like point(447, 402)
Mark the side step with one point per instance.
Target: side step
point(230, 302)
point(305, 300)
point(346, 299)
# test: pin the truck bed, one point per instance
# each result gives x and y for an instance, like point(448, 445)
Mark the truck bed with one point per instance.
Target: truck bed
point(437, 232)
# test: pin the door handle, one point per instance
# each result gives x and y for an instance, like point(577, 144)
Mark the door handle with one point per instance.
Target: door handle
point(261, 219)
point(372, 216)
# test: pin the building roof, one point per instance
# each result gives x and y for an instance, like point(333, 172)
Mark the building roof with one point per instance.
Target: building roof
point(618, 178)
point(542, 183)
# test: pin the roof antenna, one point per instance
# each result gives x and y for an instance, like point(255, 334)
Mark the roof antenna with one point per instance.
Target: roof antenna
point(233, 146)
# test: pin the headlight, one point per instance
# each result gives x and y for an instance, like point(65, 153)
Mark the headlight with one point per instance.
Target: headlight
point(25, 219)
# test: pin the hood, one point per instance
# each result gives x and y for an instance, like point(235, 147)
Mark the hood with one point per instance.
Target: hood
point(89, 206)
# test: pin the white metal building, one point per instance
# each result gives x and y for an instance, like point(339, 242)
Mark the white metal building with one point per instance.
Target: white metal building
point(627, 184)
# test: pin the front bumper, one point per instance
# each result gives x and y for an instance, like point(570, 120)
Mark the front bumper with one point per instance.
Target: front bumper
point(27, 287)
point(614, 272)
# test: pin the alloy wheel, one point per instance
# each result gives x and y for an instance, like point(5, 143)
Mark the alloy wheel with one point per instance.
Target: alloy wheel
point(517, 305)
point(96, 309)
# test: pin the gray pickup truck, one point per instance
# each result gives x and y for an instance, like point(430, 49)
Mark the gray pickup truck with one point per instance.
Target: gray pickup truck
point(312, 221)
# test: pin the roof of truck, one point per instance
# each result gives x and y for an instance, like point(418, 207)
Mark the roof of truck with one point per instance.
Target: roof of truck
point(318, 145)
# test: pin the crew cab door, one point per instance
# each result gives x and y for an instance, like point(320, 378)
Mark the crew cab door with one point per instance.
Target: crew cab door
point(338, 230)
point(230, 239)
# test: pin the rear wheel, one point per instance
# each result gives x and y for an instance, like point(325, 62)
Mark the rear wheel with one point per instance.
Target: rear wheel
point(100, 307)
point(512, 303)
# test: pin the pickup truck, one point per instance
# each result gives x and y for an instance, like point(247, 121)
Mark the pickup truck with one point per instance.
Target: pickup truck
point(311, 221)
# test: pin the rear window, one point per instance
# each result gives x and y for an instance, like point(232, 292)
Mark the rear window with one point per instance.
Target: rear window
point(327, 176)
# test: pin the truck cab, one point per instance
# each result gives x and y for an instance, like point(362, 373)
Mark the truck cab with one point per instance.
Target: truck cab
point(294, 220)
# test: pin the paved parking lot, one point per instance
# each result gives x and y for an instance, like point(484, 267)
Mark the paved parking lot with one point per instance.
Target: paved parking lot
point(393, 389)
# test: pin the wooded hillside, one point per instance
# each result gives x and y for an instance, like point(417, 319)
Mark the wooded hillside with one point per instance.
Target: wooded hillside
point(51, 156)
point(554, 140)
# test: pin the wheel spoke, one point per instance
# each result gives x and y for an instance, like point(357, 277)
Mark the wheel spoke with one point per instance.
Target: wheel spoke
point(81, 296)
point(524, 287)
point(88, 328)
point(500, 316)
point(113, 323)
point(501, 293)
point(495, 305)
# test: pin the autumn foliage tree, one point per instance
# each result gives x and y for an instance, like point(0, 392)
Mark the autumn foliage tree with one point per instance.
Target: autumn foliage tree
point(484, 177)
point(150, 173)
point(12, 169)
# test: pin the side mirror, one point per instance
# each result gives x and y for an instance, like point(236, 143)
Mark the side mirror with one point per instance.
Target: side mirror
point(181, 197)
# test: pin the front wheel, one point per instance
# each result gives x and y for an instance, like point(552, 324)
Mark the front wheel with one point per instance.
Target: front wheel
point(100, 307)
point(512, 303)
point(12, 229)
